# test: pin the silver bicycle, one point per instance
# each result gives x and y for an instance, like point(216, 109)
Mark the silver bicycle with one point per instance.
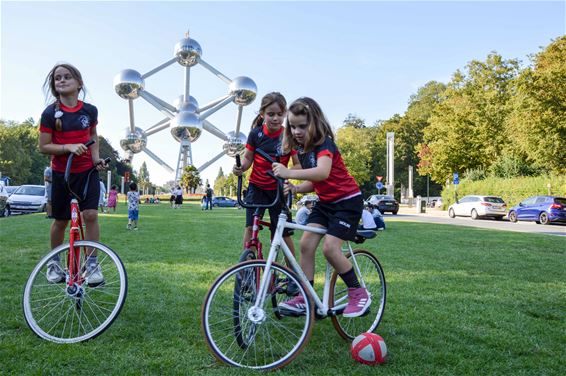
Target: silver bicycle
point(241, 320)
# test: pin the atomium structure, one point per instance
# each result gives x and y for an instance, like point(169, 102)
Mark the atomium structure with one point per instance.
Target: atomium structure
point(185, 119)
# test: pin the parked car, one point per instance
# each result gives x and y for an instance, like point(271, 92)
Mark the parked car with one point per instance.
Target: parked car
point(11, 189)
point(384, 203)
point(541, 209)
point(478, 206)
point(27, 199)
point(3, 201)
point(222, 201)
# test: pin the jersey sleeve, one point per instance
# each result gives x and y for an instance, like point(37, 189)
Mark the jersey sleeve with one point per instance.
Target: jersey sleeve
point(47, 122)
point(327, 148)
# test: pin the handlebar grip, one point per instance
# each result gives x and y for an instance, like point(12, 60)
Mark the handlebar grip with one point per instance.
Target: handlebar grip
point(238, 160)
point(107, 160)
point(89, 143)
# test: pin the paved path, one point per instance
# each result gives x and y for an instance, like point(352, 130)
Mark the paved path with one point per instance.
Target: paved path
point(441, 217)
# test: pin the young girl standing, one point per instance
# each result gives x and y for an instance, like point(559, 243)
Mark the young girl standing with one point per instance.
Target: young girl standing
point(266, 134)
point(340, 201)
point(112, 198)
point(66, 125)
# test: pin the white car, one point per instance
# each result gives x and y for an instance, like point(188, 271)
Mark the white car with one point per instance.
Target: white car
point(27, 199)
point(478, 206)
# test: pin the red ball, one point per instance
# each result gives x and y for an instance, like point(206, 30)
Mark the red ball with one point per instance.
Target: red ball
point(369, 348)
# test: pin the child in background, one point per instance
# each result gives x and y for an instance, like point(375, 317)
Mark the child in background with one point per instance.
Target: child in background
point(112, 198)
point(133, 207)
point(340, 204)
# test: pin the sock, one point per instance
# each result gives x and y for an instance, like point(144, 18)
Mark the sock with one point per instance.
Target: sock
point(91, 260)
point(350, 278)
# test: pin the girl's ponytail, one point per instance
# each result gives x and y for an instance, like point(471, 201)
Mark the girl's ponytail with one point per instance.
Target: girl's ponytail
point(257, 122)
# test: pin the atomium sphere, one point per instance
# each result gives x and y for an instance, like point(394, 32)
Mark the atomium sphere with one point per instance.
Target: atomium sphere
point(128, 83)
point(187, 51)
point(192, 106)
point(235, 144)
point(244, 89)
point(134, 141)
point(186, 125)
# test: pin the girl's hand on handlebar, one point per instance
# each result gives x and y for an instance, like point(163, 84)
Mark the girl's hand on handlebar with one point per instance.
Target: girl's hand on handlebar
point(76, 149)
point(100, 164)
point(280, 171)
point(288, 187)
point(237, 170)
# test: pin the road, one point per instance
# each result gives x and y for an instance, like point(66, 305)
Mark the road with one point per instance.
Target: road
point(441, 217)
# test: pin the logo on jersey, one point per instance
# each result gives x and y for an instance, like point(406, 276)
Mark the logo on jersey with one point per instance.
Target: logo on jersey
point(342, 223)
point(279, 149)
point(84, 120)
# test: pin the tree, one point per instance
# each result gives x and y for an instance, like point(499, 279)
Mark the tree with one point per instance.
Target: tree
point(143, 177)
point(354, 121)
point(537, 123)
point(466, 128)
point(190, 180)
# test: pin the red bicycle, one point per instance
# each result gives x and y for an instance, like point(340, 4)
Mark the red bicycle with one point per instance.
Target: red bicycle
point(78, 309)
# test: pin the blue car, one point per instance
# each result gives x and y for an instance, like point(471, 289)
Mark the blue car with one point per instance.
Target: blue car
point(541, 209)
point(224, 202)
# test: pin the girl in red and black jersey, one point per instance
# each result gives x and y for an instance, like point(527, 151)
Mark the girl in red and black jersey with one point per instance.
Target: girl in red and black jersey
point(266, 134)
point(66, 125)
point(340, 201)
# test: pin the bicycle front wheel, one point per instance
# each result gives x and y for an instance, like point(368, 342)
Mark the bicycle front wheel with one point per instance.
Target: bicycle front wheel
point(263, 338)
point(371, 273)
point(61, 313)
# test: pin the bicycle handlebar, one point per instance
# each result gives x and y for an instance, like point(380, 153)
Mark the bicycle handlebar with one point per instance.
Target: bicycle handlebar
point(68, 172)
point(243, 204)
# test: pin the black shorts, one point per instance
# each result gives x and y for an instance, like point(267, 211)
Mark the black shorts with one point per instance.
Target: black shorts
point(341, 219)
point(61, 199)
point(257, 195)
point(179, 200)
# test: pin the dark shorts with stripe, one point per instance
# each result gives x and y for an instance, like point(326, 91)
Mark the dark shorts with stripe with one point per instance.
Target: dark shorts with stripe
point(257, 195)
point(61, 199)
point(341, 219)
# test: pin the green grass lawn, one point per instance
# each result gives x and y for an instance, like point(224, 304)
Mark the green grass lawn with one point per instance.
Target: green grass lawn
point(461, 301)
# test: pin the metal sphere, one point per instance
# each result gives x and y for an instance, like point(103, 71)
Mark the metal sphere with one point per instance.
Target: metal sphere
point(134, 141)
point(181, 105)
point(186, 125)
point(244, 89)
point(128, 83)
point(187, 51)
point(236, 144)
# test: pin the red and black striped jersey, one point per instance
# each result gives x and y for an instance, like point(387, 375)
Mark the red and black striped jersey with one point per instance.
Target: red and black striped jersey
point(260, 138)
point(77, 124)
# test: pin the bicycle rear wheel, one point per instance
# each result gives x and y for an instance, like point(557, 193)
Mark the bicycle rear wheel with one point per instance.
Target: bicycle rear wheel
point(63, 314)
point(263, 339)
point(371, 273)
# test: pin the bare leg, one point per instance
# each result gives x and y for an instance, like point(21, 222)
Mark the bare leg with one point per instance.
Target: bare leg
point(309, 242)
point(58, 232)
point(92, 228)
point(332, 249)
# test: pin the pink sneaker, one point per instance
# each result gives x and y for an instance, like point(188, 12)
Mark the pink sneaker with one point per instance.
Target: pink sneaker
point(358, 302)
point(295, 305)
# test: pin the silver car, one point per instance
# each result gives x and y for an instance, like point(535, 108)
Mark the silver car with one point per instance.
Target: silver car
point(3, 201)
point(478, 206)
point(28, 199)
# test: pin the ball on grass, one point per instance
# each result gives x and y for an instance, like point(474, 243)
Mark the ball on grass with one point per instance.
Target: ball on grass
point(369, 348)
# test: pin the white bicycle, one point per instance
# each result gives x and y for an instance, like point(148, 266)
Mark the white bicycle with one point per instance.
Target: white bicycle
point(242, 323)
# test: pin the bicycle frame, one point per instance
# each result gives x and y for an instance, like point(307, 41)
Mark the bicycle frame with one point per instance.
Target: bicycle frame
point(74, 256)
point(277, 242)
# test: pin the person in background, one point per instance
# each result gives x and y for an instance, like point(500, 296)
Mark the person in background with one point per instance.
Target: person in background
point(112, 198)
point(209, 193)
point(133, 207)
point(304, 211)
point(102, 197)
point(47, 175)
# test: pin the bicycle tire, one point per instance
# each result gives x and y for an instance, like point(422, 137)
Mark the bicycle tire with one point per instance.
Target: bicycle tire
point(249, 282)
point(374, 278)
point(55, 315)
point(272, 342)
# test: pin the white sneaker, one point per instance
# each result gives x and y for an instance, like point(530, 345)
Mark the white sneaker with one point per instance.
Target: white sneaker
point(55, 274)
point(94, 275)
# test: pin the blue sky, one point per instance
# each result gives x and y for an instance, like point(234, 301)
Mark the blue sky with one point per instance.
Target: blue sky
point(364, 58)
